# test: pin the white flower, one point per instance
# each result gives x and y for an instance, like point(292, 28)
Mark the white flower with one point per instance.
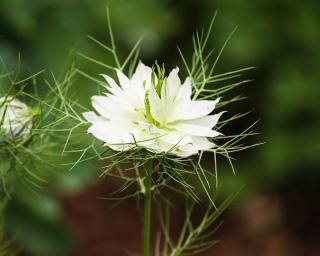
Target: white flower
point(15, 119)
point(155, 113)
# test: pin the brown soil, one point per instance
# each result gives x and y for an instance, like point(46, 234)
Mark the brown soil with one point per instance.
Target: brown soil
point(256, 227)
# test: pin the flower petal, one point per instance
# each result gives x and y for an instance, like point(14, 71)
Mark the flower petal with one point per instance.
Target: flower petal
point(156, 106)
point(142, 76)
point(206, 121)
point(202, 143)
point(114, 87)
point(91, 117)
point(175, 138)
point(172, 83)
point(186, 150)
point(123, 80)
point(102, 105)
point(191, 110)
point(193, 129)
point(201, 108)
point(185, 90)
point(102, 132)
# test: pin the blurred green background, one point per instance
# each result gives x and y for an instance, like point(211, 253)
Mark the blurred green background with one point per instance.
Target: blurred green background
point(280, 38)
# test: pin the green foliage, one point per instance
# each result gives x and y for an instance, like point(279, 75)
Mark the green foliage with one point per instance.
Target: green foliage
point(27, 162)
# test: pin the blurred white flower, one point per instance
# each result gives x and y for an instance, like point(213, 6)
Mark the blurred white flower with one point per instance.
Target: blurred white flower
point(15, 119)
point(156, 113)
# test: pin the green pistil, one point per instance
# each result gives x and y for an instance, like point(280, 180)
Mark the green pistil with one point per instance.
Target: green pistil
point(149, 116)
point(159, 86)
point(161, 78)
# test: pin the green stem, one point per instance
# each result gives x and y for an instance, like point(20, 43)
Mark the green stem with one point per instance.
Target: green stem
point(147, 210)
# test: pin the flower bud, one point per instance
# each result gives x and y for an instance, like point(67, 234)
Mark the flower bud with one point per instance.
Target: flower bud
point(15, 119)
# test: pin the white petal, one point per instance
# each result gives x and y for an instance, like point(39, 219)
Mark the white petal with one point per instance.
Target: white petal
point(201, 108)
point(142, 76)
point(91, 117)
point(123, 80)
point(175, 138)
point(111, 133)
point(186, 150)
point(173, 81)
point(191, 110)
point(206, 121)
point(114, 87)
point(119, 147)
point(134, 92)
point(102, 105)
point(192, 129)
point(156, 105)
point(142, 138)
point(202, 143)
point(102, 132)
point(170, 89)
point(110, 108)
point(150, 128)
point(185, 90)
point(160, 146)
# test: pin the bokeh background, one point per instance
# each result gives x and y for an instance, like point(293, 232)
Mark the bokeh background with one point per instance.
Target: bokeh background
point(277, 212)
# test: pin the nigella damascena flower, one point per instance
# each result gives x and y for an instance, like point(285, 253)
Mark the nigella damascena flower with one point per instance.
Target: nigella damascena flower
point(156, 113)
point(15, 119)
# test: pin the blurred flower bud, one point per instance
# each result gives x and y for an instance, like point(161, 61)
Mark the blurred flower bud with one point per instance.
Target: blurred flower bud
point(15, 119)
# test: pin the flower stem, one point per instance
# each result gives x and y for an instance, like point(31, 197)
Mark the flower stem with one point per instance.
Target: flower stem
point(147, 210)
